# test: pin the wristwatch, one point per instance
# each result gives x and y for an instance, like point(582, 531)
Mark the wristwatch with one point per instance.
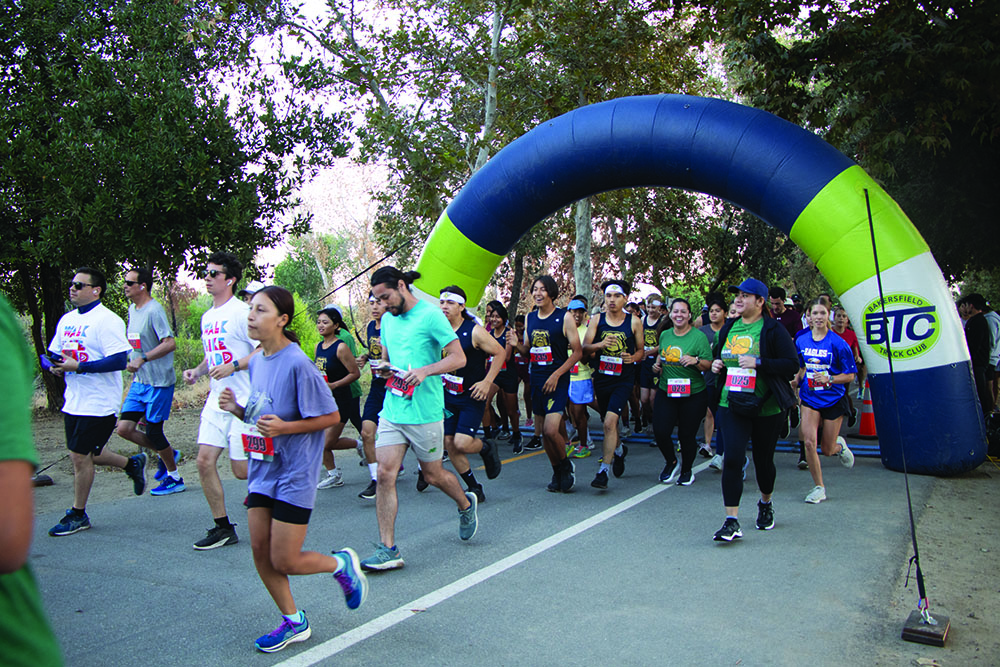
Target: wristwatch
point(144, 356)
point(236, 365)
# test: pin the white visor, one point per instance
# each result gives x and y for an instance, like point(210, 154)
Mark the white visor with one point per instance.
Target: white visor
point(451, 296)
point(614, 288)
point(656, 302)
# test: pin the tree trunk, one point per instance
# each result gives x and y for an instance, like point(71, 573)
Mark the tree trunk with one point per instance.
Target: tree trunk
point(490, 116)
point(515, 290)
point(583, 268)
point(48, 315)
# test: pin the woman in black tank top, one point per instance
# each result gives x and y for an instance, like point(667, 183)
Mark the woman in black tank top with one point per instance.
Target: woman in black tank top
point(335, 361)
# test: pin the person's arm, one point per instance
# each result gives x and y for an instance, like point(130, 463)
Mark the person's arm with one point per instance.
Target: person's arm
point(640, 341)
point(588, 345)
point(191, 375)
point(223, 371)
point(115, 362)
point(17, 512)
point(488, 344)
point(353, 372)
point(165, 347)
point(270, 426)
point(569, 330)
point(782, 357)
point(227, 402)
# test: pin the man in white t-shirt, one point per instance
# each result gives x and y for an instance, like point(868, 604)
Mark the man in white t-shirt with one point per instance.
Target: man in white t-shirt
point(90, 350)
point(228, 349)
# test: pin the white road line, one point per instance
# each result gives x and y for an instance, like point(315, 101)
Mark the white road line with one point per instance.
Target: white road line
point(342, 642)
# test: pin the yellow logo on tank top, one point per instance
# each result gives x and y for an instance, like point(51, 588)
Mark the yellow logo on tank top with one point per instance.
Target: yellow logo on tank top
point(539, 338)
point(617, 346)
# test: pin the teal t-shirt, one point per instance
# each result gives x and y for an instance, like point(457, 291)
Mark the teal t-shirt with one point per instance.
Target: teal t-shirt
point(415, 339)
point(745, 339)
point(27, 636)
point(672, 348)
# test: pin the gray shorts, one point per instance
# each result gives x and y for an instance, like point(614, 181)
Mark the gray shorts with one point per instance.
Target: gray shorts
point(427, 440)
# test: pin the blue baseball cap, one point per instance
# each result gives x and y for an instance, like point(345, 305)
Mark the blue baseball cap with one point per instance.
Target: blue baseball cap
point(751, 286)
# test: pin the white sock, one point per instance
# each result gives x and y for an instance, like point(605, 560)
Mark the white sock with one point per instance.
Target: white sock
point(373, 470)
point(174, 474)
point(296, 618)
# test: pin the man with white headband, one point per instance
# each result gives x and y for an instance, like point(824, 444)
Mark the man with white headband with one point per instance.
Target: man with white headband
point(613, 338)
point(651, 348)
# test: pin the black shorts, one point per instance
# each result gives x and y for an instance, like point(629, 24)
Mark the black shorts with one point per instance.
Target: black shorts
point(374, 401)
point(835, 411)
point(88, 435)
point(350, 411)
point(612, 397)
point(646, 378)
point(280, 510)
point(466, 414)
point(507, 381)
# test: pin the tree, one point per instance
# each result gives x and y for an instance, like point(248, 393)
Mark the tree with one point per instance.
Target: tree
point(121, 151)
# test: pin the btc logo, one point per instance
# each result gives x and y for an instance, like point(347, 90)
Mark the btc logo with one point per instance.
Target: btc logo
point(908, 328)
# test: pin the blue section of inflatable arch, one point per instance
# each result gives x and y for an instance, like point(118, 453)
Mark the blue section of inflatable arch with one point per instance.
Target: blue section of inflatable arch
point(754, 159)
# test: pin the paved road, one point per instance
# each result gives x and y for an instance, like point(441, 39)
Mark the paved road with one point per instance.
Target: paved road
point(629, 575)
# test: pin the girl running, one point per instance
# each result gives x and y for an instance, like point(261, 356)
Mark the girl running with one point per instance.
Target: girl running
point(284, 418)
point(842, 325)
point(506, 380)
point(826, 368)
point(336, 362)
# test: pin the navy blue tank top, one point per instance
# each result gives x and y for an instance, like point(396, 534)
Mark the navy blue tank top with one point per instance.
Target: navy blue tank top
point(608, 364)
point(373, 340)
point(548, 345)
point(330, 366)
point(502, 339)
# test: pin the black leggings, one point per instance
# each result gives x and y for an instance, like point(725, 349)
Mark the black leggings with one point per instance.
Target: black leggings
point(686, 414)
point(739, 431)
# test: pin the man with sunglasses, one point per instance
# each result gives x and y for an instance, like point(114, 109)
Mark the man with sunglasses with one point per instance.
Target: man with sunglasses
point(151, 393)
point(228, 348)
point(90, 350)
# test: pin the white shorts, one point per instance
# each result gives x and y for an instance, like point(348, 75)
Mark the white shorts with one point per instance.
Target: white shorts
point(427, 440)
point(222, 429)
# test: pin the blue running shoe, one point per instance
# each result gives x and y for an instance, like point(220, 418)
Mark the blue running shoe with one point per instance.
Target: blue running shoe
point(468, 519)
point(384, 558)
point(283, 635)
point(161, 470)
point(351, 579)
point(168, 486)
point(136, 470)
point(71, 523)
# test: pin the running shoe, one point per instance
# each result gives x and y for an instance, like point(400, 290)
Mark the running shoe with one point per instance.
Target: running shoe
point(730, 531)
point(765, 516)
point(468, 519)
point(618, 462)
point(746, 462)
point(384, 558)
point(161, 468)
point(716, 462)
point(369, 492)
point(217, 537)
point(136, 470)
point(421, 482)
point(816, 496)
point(71, 523)
point(803, 464)
point(553, 486)
point(491, 459)
point(361, 454)
point(578, 451)
point(504, 434)
point(706, 452)
point(168, 486)
point(529, 423)
point(352, 580)
point(283, 635)
point(567, 476)
point(515, 441)
point(478, 490)
point(333, 478)
point(852, 418)
point(783, 426)
point(600, 480)
point(861, 393)
point(793, 416)
point(686, 479)
point(846, 455)
point(534, 444)
point(670, 472)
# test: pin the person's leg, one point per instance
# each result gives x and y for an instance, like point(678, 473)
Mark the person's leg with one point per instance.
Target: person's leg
point(83, 478)
point(737, 433)
point(211, 483)
point(709, 428)
point(765, 439)
point(276, 583)
point(831, 430)
point(664, 420)
point(689, 414)
point(331, 441)
point(436, 475)
point(610, 424)
point(552, 440)
point(389, 458)
point(808, 431)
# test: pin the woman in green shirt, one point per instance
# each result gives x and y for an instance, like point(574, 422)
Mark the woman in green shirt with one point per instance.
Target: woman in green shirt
point(681, 398)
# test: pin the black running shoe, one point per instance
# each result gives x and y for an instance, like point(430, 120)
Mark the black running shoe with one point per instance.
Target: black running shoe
point(600, 480)
point(136, 470)
point(515, 441)
point(421, 482)
point(480, 494)
point(217, 537)
point(368, 493)
point(618, 462)
point(852, 419)
point(730, 531)
point(534, 444)
point(491, 459)
point(783, 427)
point(567, 477)
point(793, 416)
point(765, 516)
point(553, 486)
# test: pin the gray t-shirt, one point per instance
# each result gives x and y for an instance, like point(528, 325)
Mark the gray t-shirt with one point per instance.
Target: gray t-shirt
point(711, 335)
point(147, 326)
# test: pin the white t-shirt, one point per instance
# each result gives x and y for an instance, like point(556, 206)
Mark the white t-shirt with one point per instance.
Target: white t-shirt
point(225, 339)
point(91, 336)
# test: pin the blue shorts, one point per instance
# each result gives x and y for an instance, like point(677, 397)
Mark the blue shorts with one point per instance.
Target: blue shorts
point(373, 404)
point(581, 392)
point(466, 414)
point(646, 378)
point(154, 402)
point(544, 404)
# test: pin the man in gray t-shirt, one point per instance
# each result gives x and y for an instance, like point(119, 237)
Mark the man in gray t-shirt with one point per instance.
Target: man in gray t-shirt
point(151, 393)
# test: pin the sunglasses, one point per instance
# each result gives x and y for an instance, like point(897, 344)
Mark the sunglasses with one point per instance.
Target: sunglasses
point(212, 273)
point(79, 286)
point(131, 282)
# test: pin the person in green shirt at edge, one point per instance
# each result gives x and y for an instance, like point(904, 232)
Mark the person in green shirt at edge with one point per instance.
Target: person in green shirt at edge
point(25, 633)
point(759, 358)
point(681, 398)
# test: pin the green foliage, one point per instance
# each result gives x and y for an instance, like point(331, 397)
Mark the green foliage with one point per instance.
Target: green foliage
point(191, 320)
point(304, 326)
point(309, 266)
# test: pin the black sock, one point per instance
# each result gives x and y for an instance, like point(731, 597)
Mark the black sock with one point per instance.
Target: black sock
point(223, 522)
point(469, 478)
point(78, 512)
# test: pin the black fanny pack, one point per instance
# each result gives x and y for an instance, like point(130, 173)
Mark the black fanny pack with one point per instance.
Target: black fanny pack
point(747, 404)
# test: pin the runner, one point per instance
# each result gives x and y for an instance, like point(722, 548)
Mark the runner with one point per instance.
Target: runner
point(758, 359)
point(550, 337)
point(613, 338)
point(282, 432)
point(90, 350)
point(228, 349)
point(413, 338)
point(581, 385)
point(495, 420)
point(337, 364)
point(376, 394)
point(842, 325)
point(681, 399)
point(465, 392)
point(506, 381)
point(826, 367)
point(647, 379)
point(151, 393)
point(521, 367)
point(716, 319)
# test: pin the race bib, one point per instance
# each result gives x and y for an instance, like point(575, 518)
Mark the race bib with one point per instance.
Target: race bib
point(610, 365)
point(541, 356)
point(489, 362)
point(375, 364)
point(576, 369)
point(133, 340)
point(679, 388)
point(817, 380)
point(453, 384)
point(71, 349)
point(741, 379)
point(256, 446)
point(396, 385)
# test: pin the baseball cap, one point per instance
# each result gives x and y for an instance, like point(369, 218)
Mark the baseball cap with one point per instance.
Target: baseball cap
point(252, 288)
point(751, 286)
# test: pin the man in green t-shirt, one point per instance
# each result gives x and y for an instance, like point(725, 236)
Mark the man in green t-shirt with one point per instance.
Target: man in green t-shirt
point(25, 634)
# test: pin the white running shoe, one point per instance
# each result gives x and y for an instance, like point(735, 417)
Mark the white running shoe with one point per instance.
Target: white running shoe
point(716, 462)
point(817, 495)
point(333, 478)
point(846, 455)
point(675, 474)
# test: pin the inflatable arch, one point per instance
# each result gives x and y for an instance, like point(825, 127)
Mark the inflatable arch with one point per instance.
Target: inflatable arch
point(782, 173)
